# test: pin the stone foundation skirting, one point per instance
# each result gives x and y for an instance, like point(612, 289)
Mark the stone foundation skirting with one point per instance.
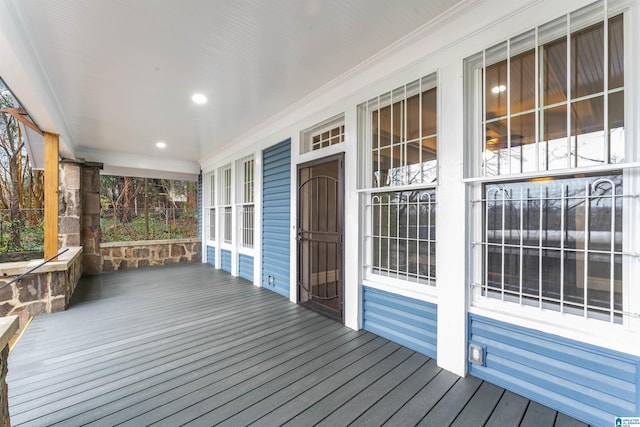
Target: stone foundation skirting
point(145, 253)
point(46, 290)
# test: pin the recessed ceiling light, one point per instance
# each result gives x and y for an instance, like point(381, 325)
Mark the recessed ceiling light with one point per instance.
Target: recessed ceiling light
point(161, 144)
point(498, 89)
point(199, 98)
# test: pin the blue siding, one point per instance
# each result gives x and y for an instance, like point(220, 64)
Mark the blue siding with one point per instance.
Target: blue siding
point(276, 217)
point(225, 260)
point(589, 383)
point(245, 266)
point(407, 321)
point(211, 255)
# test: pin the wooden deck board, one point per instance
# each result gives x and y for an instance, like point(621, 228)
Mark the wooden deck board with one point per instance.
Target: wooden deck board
point(510, 410)
point(452, 403)
point(384, 409)
point(245, 414)
point(370, 395)
point(191, 345)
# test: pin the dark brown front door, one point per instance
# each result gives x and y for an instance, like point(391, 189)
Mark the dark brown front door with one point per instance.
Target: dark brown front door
point(320, 236)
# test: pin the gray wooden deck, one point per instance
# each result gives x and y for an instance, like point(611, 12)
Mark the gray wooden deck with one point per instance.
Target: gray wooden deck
point(192, 345)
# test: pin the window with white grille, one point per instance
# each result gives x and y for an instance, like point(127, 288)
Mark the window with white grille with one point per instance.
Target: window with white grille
point(245, 168)
point(226, 203)
point(400, 138)
point(209, 204)
point(551, 167)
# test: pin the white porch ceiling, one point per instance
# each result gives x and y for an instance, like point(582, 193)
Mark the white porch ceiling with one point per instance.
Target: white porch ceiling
point(116, 76)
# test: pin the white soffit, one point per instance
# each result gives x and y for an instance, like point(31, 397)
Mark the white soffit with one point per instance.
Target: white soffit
point(122, 72)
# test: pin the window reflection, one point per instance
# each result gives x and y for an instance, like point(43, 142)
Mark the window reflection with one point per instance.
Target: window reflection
point(560, 230)
point(404, 146)
point(571, 132)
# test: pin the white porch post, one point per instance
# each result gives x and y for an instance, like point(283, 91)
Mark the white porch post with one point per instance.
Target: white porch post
point(451, 263)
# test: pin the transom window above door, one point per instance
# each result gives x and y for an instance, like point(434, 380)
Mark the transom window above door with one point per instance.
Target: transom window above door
point(325, 134)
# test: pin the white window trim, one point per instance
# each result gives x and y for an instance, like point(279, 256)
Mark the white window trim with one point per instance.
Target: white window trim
point(412, 289)
point(209, 203)
point(592, 331)
point(223, 205)
point(240, 203)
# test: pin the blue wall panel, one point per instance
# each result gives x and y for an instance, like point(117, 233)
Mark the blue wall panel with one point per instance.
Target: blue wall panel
point(225, 260)
point(245, 267)
point(211, 255)
point(590, 383)
point(407, 321)
point(276, 217)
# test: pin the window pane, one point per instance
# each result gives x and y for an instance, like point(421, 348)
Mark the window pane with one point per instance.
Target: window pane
point(374, 130)
point(587, 61)
point(616, 52)
point(413, 117)
point(403, 245)
point(555, 135)
point(496, 90)
point(554, 215)
point(587, 131)
point(429, 159)
point(523, 138)
point(385, 126)
point(616, 127)
point(429, 112)
point(554, 72)
point(523, 82)
point(398, 122)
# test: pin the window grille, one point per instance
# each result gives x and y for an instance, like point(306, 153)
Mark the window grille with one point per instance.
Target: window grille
point(228, 218)
point(549, 105)
point(553, 98)
point(212, 224)
point(227, 210)
point(327, 138)
point(556, 244)
point(403, 235)
point(247, 226)
point(245, 167)
point(401, 139)
point(212, 193)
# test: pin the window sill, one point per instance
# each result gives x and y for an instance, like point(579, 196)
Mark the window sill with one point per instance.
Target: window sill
point(417, 291)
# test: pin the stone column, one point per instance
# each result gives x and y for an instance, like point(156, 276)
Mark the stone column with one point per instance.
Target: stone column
point(69, 204)
point(91, 232)
point(79, 211)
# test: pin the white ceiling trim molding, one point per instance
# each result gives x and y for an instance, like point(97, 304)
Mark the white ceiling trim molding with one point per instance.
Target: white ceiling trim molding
point(147, 173)
point(140, 165)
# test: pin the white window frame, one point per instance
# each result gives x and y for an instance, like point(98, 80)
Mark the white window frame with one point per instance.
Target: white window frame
point(209, 192)
point(385, 281)
point(599, 332)
point(245, 204)
point(225, 206)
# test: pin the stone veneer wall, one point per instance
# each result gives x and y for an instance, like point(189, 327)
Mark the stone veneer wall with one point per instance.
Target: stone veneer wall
point(46, 290)
point(79, 210)
point(144, 253)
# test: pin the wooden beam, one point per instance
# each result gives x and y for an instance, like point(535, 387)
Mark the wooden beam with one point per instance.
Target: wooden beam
point(51, 160)
point(21, 116)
